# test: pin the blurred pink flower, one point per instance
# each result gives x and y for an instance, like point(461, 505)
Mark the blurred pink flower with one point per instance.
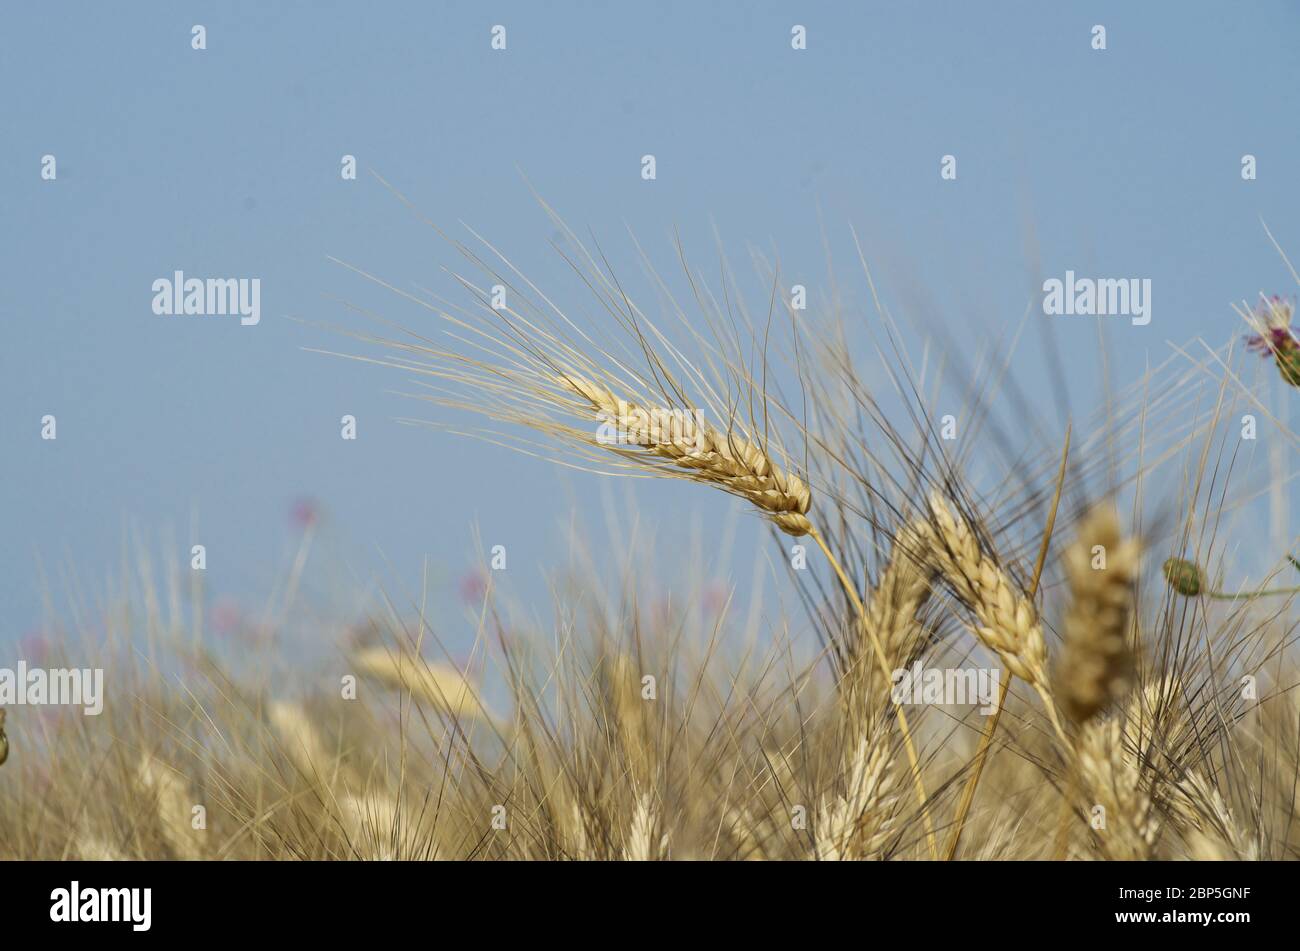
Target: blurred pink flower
point(473, 587)
point(227, 615)
point(714, 598)
point(1275, 338)
point(34, 648)
point(1273, 320)
point(259, 634)
point(304, 513)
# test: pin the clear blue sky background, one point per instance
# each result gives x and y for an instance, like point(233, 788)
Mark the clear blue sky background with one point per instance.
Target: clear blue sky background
point(225, 162)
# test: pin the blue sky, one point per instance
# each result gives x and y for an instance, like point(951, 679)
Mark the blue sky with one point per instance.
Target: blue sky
point(225, 163)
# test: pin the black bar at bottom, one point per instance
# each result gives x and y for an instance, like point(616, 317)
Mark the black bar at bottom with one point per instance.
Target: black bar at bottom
point(559, 901)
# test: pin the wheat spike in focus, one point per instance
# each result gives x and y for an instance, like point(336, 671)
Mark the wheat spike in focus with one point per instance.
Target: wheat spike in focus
point(702, 453)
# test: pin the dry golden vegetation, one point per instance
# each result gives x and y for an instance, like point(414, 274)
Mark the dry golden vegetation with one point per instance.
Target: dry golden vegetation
point(1133, 717)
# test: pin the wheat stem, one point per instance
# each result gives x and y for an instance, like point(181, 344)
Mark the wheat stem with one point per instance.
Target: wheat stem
point(1063, 822)
point(968, 792)
point(1248, 595)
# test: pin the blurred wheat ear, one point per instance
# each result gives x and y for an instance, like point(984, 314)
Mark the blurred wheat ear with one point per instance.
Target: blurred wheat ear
point(1096, 666)
point(439, 685)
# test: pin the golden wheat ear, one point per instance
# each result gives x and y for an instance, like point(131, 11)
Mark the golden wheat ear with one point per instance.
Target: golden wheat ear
point(1006, 619)
point(694, 449)
point(1118, 789)
point(1096, 667)
point(440, 685)
point(858, 822)
point(301, 741)
point(172, 801)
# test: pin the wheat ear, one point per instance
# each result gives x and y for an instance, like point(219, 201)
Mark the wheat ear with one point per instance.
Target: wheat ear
point(1096, 667)
point(301, 741)
point(857, 822)
point(634, 730)
point(440, 685)
point(172, 800)
point(575, 828)
point(644, 843)
point(1215, 833)
point(702, 453)
point(92, 847)
point(893, 608)
point(1006, 621)
point(1111, 773)
point(1113, 758)
point(377, 826)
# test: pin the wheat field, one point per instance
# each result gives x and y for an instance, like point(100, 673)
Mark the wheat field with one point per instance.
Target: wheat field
point(1144, 701)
